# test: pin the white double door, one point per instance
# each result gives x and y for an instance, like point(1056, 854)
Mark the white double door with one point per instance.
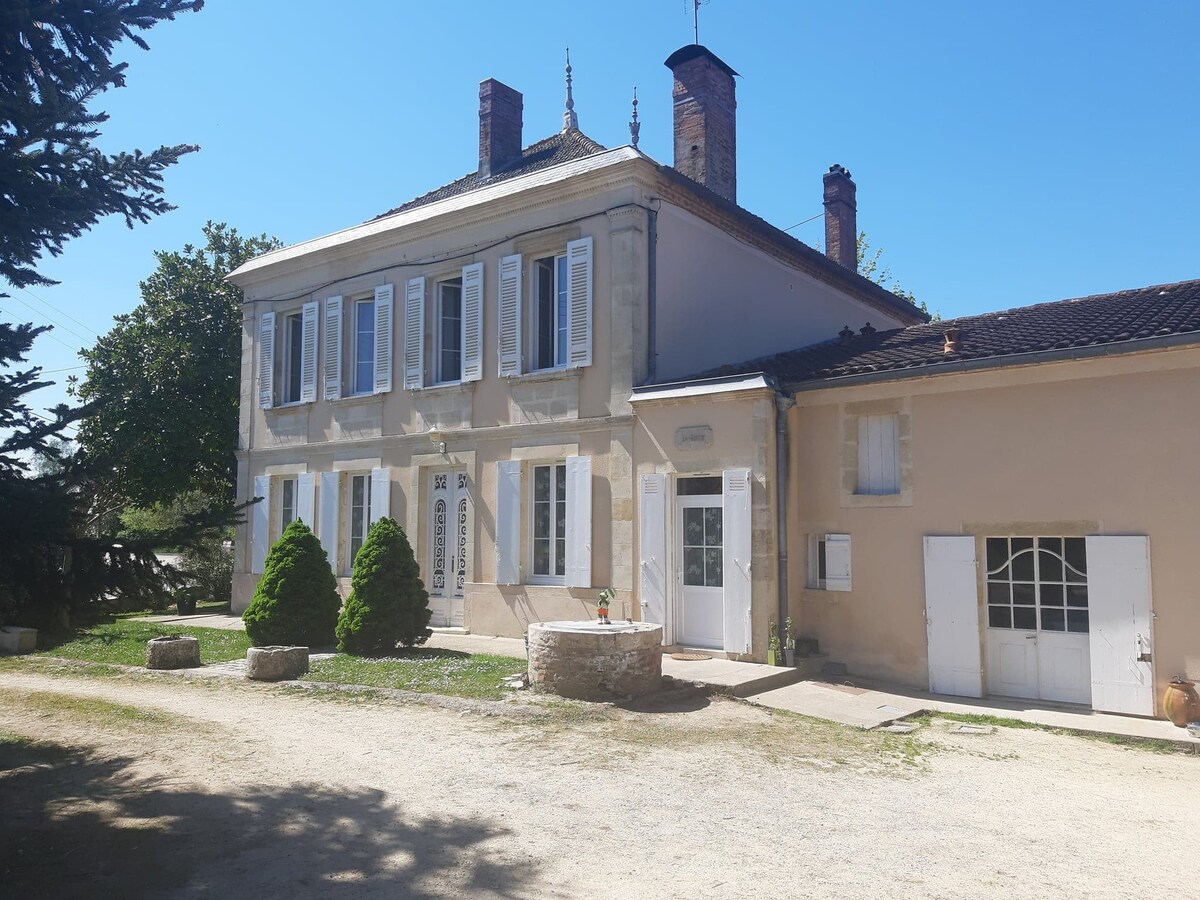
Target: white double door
point(447, 530)
point(1039, 665)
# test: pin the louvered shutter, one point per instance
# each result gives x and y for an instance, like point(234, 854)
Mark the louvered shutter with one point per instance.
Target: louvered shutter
point(735, 558)
point(508, 521)
point(414, 333)
point(579, 302)
point(952, 616)
point(260, 524)
point(878, 459)
point(333, 348)
point(306, 499)
point(308, 352)
point(652, 541)
point(579, 521)
point(472, 322)
point(330, 509)
point(509, 306)
point(837, 562)
point(383, 339)
point(381, 493)
point(266, 360)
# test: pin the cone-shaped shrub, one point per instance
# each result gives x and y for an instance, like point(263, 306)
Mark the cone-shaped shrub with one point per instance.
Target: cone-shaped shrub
point(388, 604)
point(296, 601)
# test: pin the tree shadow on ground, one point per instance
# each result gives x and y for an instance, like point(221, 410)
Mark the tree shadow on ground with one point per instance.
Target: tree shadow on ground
point(77, 823)
point(670, 700)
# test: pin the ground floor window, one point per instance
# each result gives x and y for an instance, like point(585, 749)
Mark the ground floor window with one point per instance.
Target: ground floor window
point(360, 512)
point(1037, 583)
point(288, 504)
point(550, 521)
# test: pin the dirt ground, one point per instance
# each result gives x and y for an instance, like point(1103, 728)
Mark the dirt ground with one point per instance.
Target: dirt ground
point(159, 786)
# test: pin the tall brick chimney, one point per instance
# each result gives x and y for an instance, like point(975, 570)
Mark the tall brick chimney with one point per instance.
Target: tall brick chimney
point(841, 218)
point(500, 109)
point(705, 119)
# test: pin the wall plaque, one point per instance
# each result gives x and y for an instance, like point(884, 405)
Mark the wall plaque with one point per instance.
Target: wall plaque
point(693, 437)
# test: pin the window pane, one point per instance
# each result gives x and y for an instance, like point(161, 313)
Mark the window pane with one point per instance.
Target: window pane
point(1052, 595)
point(1024, 617)
point(693, 566)
point(1000, 617)
point(1053, 619)
point(1077, 621)
point(563, 316)
point(1022, 564)
point(700, 486)
point(998, 593)
point(541, 483)
point(544, 313)
point(821, 568)
point(712, 526)
point(364, 347)
point(1077, 595)
point(712, 566)
point(1076, 559)
point(693, 527)
point(997, 556)
point(295, 325)
point(450, 330)
point(560, 519)
point(1050, 567)
point(1024, 594)
point(541, 520)
point(560, 557)
point(560, 480)
point(541, 557)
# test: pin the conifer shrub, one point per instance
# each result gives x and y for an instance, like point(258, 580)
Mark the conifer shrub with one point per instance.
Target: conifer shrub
point(388, 603)
point(296, 601)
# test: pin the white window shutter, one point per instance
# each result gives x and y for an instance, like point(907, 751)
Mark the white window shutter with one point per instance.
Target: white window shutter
point(737, 531)
point(652, 544)
point(579, 305)
point(579, 521)
point(508, 521)
point(472, 322)
point(1119, 627)
point(260, 524)
point(383, 339)
point(952, 616)
point(414, 333)
point(333, 348)
point(266, 360)
point(878, 457)
point(837, 562)
point(381, 493)
point(330, 514)
point(306, 499)
point(509, 306)
point(308, 352)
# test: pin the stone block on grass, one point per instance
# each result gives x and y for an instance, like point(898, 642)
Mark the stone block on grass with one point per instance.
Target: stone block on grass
point(173, 653)
point(18, 640)
point(276, 663)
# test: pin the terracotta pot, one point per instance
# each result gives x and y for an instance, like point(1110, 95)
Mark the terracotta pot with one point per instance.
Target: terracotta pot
point(1181, 702)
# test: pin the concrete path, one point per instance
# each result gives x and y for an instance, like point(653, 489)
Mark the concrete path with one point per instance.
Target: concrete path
point(206, 620)
point(868, 707)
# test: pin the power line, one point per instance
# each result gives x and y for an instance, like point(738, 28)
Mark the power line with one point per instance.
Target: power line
point(59, 311)
point(805, 222)
point(49, 334)
point(67, 369)
point(67, 328)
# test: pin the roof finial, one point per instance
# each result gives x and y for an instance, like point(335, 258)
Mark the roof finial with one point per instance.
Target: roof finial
point(634, 125)
point(570, 120)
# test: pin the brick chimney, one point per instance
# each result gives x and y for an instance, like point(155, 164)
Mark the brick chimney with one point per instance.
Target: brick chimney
point(500, 109)
point(841, 218)
point(705, 119)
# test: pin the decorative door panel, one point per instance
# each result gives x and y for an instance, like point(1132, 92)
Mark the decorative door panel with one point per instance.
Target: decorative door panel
point(447, 530)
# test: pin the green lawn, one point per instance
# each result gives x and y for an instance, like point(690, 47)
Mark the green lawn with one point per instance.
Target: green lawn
point(124, 641)
point(425, 670)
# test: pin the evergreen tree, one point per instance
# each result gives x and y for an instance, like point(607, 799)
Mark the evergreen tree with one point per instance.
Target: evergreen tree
point(388, 604)
point(296, 601)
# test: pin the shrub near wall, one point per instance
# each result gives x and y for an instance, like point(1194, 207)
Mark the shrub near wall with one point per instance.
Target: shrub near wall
point(388, 603)
point(296, 601)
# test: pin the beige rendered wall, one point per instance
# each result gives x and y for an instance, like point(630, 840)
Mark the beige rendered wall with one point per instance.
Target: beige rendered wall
point(743, 436)
point(722, 301)
point(1106, 446)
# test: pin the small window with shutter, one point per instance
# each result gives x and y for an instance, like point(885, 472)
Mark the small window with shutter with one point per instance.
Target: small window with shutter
point(829, 562)
point(448, 341)
point(878, 455)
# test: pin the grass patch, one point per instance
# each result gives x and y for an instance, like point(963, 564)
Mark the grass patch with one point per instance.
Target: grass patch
point(425, 670)
point(91, 710)
point(124, 642)
point(1155, 745)
point(208, 608)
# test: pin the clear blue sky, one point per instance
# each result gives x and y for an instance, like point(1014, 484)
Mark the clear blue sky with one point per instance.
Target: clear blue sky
point(1005, 154)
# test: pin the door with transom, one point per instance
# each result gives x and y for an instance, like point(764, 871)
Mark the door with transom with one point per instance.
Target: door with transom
point(700, 608)
point(447, 546)
point(1037, 625)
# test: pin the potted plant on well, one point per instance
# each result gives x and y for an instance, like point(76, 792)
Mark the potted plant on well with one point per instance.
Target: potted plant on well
point(773, 645)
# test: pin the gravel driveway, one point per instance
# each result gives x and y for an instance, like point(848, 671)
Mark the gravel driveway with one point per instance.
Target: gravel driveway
point(165, 787)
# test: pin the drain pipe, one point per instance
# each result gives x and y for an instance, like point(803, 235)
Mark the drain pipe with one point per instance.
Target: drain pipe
point(652, 296)
point(782, 405)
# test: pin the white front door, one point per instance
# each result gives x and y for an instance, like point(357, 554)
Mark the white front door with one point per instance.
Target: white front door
point(1037, 631)
point(700, 620)
point(447, 546)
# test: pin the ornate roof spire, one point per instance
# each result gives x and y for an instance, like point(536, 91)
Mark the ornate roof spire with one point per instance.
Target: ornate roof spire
point(570, 120)
point(634, 125)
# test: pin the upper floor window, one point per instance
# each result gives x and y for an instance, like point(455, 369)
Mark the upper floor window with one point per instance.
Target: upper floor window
point(364, 347)
point(449, 332)
point(551, 315)
point(555, 331)
point(293, 357)
point(878, 454)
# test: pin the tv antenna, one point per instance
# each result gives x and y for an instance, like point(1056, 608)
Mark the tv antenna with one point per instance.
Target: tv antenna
point(695, 5)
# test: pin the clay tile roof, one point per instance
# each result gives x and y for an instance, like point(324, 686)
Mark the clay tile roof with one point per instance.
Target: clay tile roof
point(563, 147)
point(1120, 319)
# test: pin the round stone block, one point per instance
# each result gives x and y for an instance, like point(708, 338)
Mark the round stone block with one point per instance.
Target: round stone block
point(276, 663)
point(590, 661)
point(172, 653)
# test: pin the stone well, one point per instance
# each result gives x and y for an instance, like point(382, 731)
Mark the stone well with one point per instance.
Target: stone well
point(590, 661)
